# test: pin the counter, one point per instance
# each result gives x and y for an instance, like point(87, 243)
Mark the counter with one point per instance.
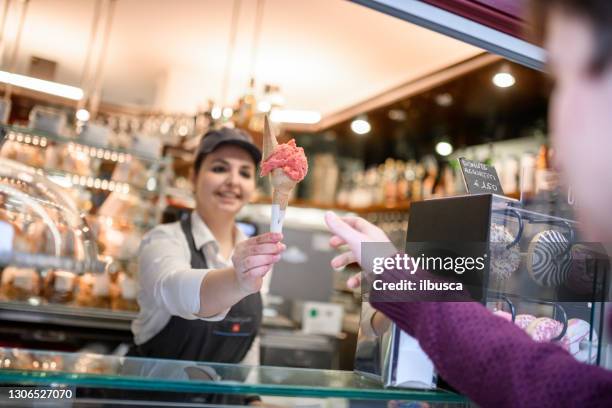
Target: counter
point(130, 377)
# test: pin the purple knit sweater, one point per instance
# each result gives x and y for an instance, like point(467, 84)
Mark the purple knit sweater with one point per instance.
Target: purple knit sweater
point(495, 363)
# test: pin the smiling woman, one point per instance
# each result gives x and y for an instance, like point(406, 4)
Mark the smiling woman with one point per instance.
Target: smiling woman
point(200, 277)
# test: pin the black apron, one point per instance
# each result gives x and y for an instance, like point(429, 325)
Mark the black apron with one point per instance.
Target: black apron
point(225, 341)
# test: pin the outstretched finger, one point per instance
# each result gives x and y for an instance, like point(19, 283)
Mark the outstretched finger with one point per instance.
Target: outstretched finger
point(342, 260)
point(259, 271)
point(335, 241)
point(267, 238)
point(340, 228)
point(255, 261)
point(360, 225)
point(354, 281)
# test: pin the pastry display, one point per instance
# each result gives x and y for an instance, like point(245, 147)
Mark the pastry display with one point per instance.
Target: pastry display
point(287, 165)
point(20, 283)
point(544, 329)
point(59, 286)
point(504, 261)
point(16, 359)
point(92, 364)
point(47, 363)
point(93, 290)
point(23, 153)
point(123, 293)
point(578, 343)
point(548, 261)
point(524, 320)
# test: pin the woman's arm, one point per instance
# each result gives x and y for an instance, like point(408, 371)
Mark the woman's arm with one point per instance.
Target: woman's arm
point(486, 358)
point(165, 271)
point(494, 362)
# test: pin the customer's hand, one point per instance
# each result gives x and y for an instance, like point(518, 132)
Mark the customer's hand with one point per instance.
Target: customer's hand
point(254, 257)
point(351, 231)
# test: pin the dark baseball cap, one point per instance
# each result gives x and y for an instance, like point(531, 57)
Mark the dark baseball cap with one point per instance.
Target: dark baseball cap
point(226, 136)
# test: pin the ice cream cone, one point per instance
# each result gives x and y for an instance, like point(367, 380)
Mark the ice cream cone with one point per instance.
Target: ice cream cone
point(285, 176)
point(269, 139)
point(281, 188)
point(281, 183)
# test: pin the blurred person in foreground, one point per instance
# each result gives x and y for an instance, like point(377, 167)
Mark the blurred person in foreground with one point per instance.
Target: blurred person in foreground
point(491, 361)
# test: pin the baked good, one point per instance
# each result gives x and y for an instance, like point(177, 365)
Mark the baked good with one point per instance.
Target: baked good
point(504, 315)
point(578, 343)
point(48, 363)
point(504, 261)
point(92, 364)
point(123, 293)
point(17, 359)
point(59, 286)
point(544, 329)
point(523, 320)
point(93, 290)
point(20, 283)
point(548, 261)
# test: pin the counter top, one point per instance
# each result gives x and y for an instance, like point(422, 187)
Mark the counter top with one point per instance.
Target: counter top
point(103, 371)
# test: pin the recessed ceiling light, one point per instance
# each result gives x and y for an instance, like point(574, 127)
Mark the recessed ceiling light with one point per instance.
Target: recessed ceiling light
point(361, 126)
point(503, 79)
point(444, 148)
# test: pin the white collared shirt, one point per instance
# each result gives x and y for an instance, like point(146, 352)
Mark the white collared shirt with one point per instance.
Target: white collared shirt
point(168, 285)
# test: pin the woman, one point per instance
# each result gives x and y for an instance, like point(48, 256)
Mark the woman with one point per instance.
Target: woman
point(483, 356)
point(200, 277)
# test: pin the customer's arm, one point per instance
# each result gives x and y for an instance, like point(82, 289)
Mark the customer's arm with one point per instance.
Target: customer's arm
point(165, 271)
point(495, 363)
point(488, 359)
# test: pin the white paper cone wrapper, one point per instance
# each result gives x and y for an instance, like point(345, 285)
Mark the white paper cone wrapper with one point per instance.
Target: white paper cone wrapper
point(276, 221)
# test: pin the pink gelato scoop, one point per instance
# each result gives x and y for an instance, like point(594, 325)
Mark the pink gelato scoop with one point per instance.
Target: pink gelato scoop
point(288, 157)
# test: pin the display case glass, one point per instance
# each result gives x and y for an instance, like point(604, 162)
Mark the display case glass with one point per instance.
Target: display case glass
point(102, 371)
point(536, 273)
point(42, 227)
point(539, 273)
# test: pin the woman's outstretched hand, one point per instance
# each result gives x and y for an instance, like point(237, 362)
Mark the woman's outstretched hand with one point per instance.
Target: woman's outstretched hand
point(352, 232)
point(254, 257)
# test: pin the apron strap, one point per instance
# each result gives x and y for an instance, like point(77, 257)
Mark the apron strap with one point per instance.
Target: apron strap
point(198, 260)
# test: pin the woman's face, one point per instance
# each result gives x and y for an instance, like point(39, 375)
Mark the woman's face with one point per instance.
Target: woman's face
point(581, 121)
point(226, 181)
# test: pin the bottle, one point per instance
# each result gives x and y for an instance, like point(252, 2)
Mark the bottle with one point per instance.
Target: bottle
point(390, 183)
point(541, 170)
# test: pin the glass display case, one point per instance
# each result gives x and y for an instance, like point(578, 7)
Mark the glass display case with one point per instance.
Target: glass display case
point(116, 193)
point(49, 255)
point(186, 381)
point(537, 273)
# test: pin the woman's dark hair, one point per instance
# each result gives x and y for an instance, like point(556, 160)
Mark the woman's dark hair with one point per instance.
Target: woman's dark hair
point(598, 12)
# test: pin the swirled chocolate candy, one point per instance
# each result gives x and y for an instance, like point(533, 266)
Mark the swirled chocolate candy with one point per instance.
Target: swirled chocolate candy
point(548, 261)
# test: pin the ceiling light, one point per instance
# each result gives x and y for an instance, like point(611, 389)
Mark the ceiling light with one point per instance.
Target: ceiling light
point(228, 112)
point(444, 148)
point(361, 126)
point(83, 115)
point(295, 116)
point(398, 115)
point(503, 79)
point(40, 85)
